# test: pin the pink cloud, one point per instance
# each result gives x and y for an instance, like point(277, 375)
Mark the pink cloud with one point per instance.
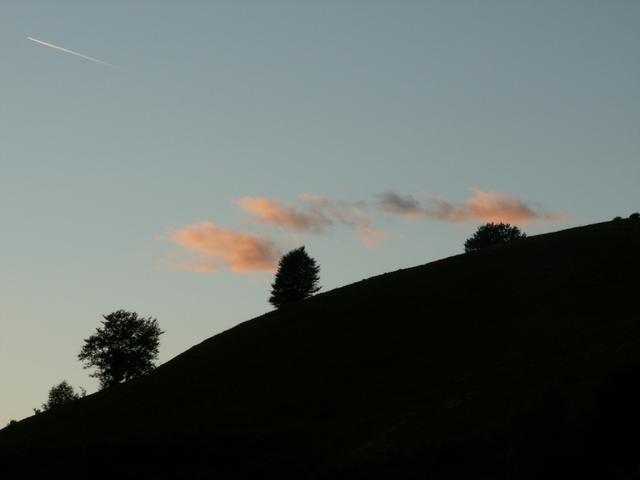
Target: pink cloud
point(498, 207)
point(483, 207)
point(354, 215)
point(349, 214)
point(216, 247)
point(371, 237)
point(276, 214)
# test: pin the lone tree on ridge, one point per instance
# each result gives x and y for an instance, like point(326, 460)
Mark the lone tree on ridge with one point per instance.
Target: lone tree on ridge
point(125, 347)
point(296, 279)
point(492, 233)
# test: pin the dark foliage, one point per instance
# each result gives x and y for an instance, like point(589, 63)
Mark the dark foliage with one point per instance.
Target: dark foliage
point(296, 279)
point(617, 219)
point(124, 348)
point(491, 234)
point(635, 216)
point(61, 394)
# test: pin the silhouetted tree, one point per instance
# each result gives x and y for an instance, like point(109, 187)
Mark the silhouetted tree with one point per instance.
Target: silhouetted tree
point(492, 233)
point(61, 394)
point(124, 348)
point(635, 216)
point(296, 279)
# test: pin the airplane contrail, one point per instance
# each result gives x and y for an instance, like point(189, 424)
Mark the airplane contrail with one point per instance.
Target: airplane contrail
point(66, 50)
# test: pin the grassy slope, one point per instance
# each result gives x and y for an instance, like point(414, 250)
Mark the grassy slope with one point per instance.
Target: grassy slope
point(497, 363)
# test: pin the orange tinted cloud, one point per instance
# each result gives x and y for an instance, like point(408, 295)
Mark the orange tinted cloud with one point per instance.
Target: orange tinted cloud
point(498, 207)
point(349, 214)
point(216, 247)
point(483, 207)
point(371, 237)
point(314, 213)
point(274, 213)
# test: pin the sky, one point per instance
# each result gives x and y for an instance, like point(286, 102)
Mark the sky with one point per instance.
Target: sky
point(166, 173)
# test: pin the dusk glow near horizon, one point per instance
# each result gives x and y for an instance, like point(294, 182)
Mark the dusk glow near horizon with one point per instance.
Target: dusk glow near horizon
point(377, 134)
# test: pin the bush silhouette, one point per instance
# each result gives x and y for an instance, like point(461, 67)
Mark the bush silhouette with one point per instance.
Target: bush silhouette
point(491, 234)
point(635, 216)
point(61, 394)
point(124, 348)
point(296, 279)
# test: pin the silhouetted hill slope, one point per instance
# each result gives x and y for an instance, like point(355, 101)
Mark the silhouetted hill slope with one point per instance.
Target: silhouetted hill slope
point(519, 361)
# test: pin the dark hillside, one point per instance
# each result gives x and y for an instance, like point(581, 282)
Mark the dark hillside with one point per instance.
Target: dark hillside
point(519, 361)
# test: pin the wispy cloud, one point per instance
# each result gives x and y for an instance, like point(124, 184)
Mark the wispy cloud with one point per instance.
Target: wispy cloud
point(274, 213)
point(215, 247)
point(483, 207)
point(71, 52)
point(313, 214)
point(355, 215)
point(397, 204)
point(372, 237)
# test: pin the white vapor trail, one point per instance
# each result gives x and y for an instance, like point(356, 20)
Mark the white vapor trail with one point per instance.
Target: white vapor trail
point(66, 50)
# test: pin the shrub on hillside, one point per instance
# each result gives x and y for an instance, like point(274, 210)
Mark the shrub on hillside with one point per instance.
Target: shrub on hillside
point(61, 394)
point(492, 234)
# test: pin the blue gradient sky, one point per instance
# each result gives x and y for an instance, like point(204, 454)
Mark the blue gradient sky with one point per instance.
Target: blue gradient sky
point(219, 100)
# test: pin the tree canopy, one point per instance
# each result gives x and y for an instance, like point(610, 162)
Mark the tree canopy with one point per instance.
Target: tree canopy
point(491, 234)
point(61, 394)
point(296, 279)
point(125, 347)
